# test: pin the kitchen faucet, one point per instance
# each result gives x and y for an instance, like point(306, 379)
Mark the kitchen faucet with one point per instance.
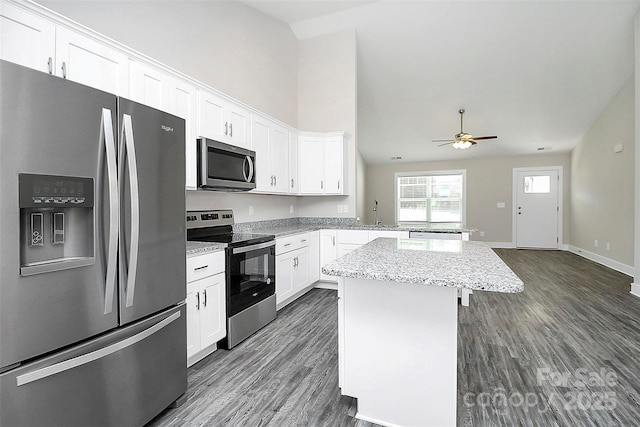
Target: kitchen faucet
point(375, 209)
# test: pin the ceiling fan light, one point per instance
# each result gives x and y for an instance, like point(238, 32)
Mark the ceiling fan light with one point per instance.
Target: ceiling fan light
point(462, 145)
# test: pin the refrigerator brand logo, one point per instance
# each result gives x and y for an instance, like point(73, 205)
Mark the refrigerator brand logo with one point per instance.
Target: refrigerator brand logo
point(167, 128)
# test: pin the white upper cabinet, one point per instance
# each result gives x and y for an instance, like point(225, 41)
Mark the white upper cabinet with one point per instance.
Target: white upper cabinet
point(294, 177)
point(271, 144)
point(87, 61)
point(322, 161)
point(27, 39)
point(37, 43)
point(167, 92)
point(183, 99)
point(222, 120)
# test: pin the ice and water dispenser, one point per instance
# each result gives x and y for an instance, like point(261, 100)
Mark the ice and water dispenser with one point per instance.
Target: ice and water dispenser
point(56, 223)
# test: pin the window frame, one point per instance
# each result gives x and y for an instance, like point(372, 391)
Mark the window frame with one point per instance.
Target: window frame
point(397, 175)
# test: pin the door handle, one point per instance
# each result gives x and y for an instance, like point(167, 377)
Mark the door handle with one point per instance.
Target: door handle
point(226, 128)
point(64, 70)
point(114, 208)
point(127, 148)
point(50, 65)
point(197, 300)
point(204, 295)
point(231, 130)
point(94, 355)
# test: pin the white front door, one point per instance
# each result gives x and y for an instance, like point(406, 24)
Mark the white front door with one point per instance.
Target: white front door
point(537, 208)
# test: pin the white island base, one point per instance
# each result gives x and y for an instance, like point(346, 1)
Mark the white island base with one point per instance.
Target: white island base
point(398, 351)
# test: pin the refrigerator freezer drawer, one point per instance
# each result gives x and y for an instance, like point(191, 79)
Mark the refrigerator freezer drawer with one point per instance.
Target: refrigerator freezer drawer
point(123, 378)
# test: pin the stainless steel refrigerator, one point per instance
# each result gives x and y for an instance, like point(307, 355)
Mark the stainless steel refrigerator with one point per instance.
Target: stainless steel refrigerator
point(92, 255)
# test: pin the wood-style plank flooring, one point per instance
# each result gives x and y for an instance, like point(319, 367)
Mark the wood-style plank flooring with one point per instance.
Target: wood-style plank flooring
point(529, 359)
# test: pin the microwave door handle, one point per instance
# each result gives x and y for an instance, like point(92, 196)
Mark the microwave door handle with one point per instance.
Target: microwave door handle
point(247, 176)
point(112, 177)
point(127, 144)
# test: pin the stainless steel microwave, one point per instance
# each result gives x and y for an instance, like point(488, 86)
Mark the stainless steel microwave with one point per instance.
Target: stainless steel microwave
point(225, 167)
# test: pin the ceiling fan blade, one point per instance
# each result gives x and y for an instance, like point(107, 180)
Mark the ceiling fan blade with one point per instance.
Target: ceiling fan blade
point(446, 143)
point(477, 138)
point(443, 140)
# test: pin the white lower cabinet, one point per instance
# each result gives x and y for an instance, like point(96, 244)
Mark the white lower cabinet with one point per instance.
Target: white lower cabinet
point(294, 266)
point(206, 320)
point(328, 252)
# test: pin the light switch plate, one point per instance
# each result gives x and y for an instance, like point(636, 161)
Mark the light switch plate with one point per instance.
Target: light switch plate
point(501, 205)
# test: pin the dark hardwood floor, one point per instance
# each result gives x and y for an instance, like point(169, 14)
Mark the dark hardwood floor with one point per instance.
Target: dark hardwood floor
point(566, 352)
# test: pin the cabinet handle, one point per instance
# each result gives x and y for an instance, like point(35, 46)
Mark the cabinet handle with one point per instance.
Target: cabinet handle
point(275, 180)
point(50, 64)
point(291, 182)
point(231, 130)
point(64, 70)
point(321, 184)
point(287, 244)
point(204, 294)
point(303, 241)
point(197, 300)
point(226, 128)
point(334, 240)
point(201, 267)
point(338, 184)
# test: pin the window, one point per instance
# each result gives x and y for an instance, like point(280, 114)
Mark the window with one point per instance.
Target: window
point(537, 184)
point(430, 196)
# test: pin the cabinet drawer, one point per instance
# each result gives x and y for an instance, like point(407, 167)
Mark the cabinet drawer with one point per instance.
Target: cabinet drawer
point(353, 236)
point(290, 243)
point(201, 266)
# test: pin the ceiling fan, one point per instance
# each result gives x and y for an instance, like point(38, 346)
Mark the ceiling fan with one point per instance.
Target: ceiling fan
point(462, 140)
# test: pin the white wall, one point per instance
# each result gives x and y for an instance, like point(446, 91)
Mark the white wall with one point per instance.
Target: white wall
point(327, 102)
point(602, 182)
point(489, 181)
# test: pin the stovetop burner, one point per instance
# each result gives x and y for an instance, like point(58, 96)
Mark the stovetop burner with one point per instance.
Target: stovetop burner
point(217, 226)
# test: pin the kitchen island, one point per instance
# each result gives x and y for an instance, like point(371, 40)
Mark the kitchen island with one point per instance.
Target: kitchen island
point(397, 320)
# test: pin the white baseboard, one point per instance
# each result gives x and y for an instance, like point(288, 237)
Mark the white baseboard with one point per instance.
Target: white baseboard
point(326, 285)
point(635, 289)
point(608, 262)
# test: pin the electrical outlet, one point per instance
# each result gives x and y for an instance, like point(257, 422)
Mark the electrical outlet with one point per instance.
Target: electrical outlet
point(345, 208)
point(482, 234)
point(608, 246)
point(250, 210)
point(595, 243)
point(339, 208)
point(501, 205)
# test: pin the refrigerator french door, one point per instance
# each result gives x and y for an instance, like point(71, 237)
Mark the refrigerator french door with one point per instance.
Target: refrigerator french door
point(92, 255)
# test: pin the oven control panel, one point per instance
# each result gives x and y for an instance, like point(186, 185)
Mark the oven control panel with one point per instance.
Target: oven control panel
point(198, 219)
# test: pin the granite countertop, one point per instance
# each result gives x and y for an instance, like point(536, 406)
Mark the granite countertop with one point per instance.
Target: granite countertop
point(285, 230)
point(199, 248)
point(452, 263)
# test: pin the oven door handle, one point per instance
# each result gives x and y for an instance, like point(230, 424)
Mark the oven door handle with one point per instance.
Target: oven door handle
point(250, 248)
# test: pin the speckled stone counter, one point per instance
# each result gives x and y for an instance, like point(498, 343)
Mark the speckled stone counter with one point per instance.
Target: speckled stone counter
point(284, 227)
point(450, 263)
point(199, 248)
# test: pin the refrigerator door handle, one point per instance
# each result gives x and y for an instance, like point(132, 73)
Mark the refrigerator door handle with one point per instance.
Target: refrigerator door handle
point(114, 224)
point(127, 144)
point(75, 362)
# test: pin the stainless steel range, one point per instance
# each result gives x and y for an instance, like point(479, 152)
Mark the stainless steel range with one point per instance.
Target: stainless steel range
point(250, 272)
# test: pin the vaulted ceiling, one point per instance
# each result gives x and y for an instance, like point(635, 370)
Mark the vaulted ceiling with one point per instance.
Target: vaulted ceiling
point(535, 73)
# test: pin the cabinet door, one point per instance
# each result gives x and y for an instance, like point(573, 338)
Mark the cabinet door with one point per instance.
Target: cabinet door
point(193, 318)
point(279, 158)
point(311, 153)
point(183, 100)
point(238, 120)
point(84, 60)
point(150, 86)
point(301, 270)
point(284, 277)
point(27, 39)
point(328, 252)
point(212, 300)
point(260, 144)
point(294, 184)
point(333, 173)
point(314, 256)
point(211, 117)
